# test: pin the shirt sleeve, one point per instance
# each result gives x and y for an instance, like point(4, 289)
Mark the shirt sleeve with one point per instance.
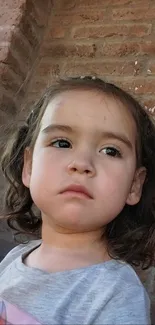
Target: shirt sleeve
point(130, 306)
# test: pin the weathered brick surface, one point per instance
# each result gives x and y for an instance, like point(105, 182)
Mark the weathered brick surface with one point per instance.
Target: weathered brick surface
point(22, 27)
point(56, 32)
point(85, 4)
point(112, 31)
point(148, 48)
point(138, 13)
point(113, 39)
point(102, 68)
point(151, 67)
point(120, 49)
point(70, 50)
point(80, 17)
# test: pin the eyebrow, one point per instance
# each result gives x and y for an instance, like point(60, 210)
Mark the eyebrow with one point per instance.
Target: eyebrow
point(57, 127)
point(106, 134)
point(119, 136)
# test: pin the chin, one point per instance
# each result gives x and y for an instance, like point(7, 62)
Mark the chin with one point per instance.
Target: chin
point(69, 218)
point(74, 219)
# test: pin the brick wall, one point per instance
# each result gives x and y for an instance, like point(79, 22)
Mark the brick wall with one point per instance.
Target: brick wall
point(22, 25)
point(113, 39)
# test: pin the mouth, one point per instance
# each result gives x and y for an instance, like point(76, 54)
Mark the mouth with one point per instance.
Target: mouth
point(77, 190)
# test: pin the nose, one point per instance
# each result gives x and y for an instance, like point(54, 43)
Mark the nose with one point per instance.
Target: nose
point(82, 164)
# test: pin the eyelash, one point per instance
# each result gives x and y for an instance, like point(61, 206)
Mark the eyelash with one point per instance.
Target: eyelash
point(60, 139)
point(116, 152)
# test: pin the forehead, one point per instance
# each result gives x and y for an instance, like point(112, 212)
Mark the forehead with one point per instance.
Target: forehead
point(89, 110)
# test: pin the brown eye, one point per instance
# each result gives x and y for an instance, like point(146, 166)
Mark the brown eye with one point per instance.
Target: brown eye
point(61, 143)
point(110, 151)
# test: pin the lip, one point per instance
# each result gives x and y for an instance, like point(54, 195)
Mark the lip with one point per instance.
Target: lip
point(79, 189)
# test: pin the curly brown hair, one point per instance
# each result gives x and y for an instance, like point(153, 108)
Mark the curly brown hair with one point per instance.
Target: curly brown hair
point(131, 235)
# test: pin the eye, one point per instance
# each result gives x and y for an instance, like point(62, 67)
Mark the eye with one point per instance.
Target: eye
point(111, 151)
point(61, 143)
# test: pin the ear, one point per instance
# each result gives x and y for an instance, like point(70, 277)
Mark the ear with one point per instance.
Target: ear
point(137, 186)
point(27, 167)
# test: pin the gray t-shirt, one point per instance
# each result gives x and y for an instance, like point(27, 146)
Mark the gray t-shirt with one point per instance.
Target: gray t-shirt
point(108, 293)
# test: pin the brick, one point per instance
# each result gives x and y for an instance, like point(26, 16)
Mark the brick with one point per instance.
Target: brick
point(70, 4)
point(111, 31)
point(118, 49)
point(148, 48)
point(141, 86)
point(69, 18)
point(69, 50)
point(44, 69)
point(55, 32)
point(151, 68)
point(134, 13)
point(66, 4)
point(104, 68)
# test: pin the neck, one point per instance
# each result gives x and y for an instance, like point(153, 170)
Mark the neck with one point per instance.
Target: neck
point(57, 236)
point(68, 242)
point(65, 250)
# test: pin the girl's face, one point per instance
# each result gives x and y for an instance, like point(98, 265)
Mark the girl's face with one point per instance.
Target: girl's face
point(86, 142)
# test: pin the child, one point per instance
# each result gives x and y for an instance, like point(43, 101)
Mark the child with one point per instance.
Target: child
point(81, 177)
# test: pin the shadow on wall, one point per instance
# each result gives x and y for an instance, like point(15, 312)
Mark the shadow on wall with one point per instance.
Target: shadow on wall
point(6, 239)
point(5, 247)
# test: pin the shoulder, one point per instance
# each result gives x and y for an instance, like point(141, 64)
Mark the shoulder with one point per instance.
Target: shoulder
point(128, 301)
point(118, 271)
point(120, 281)
point(127, 274)
point(16, 252)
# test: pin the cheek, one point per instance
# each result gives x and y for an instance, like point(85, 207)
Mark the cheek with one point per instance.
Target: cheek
point(44, 165)
point(115, 180)
point(44, 174)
